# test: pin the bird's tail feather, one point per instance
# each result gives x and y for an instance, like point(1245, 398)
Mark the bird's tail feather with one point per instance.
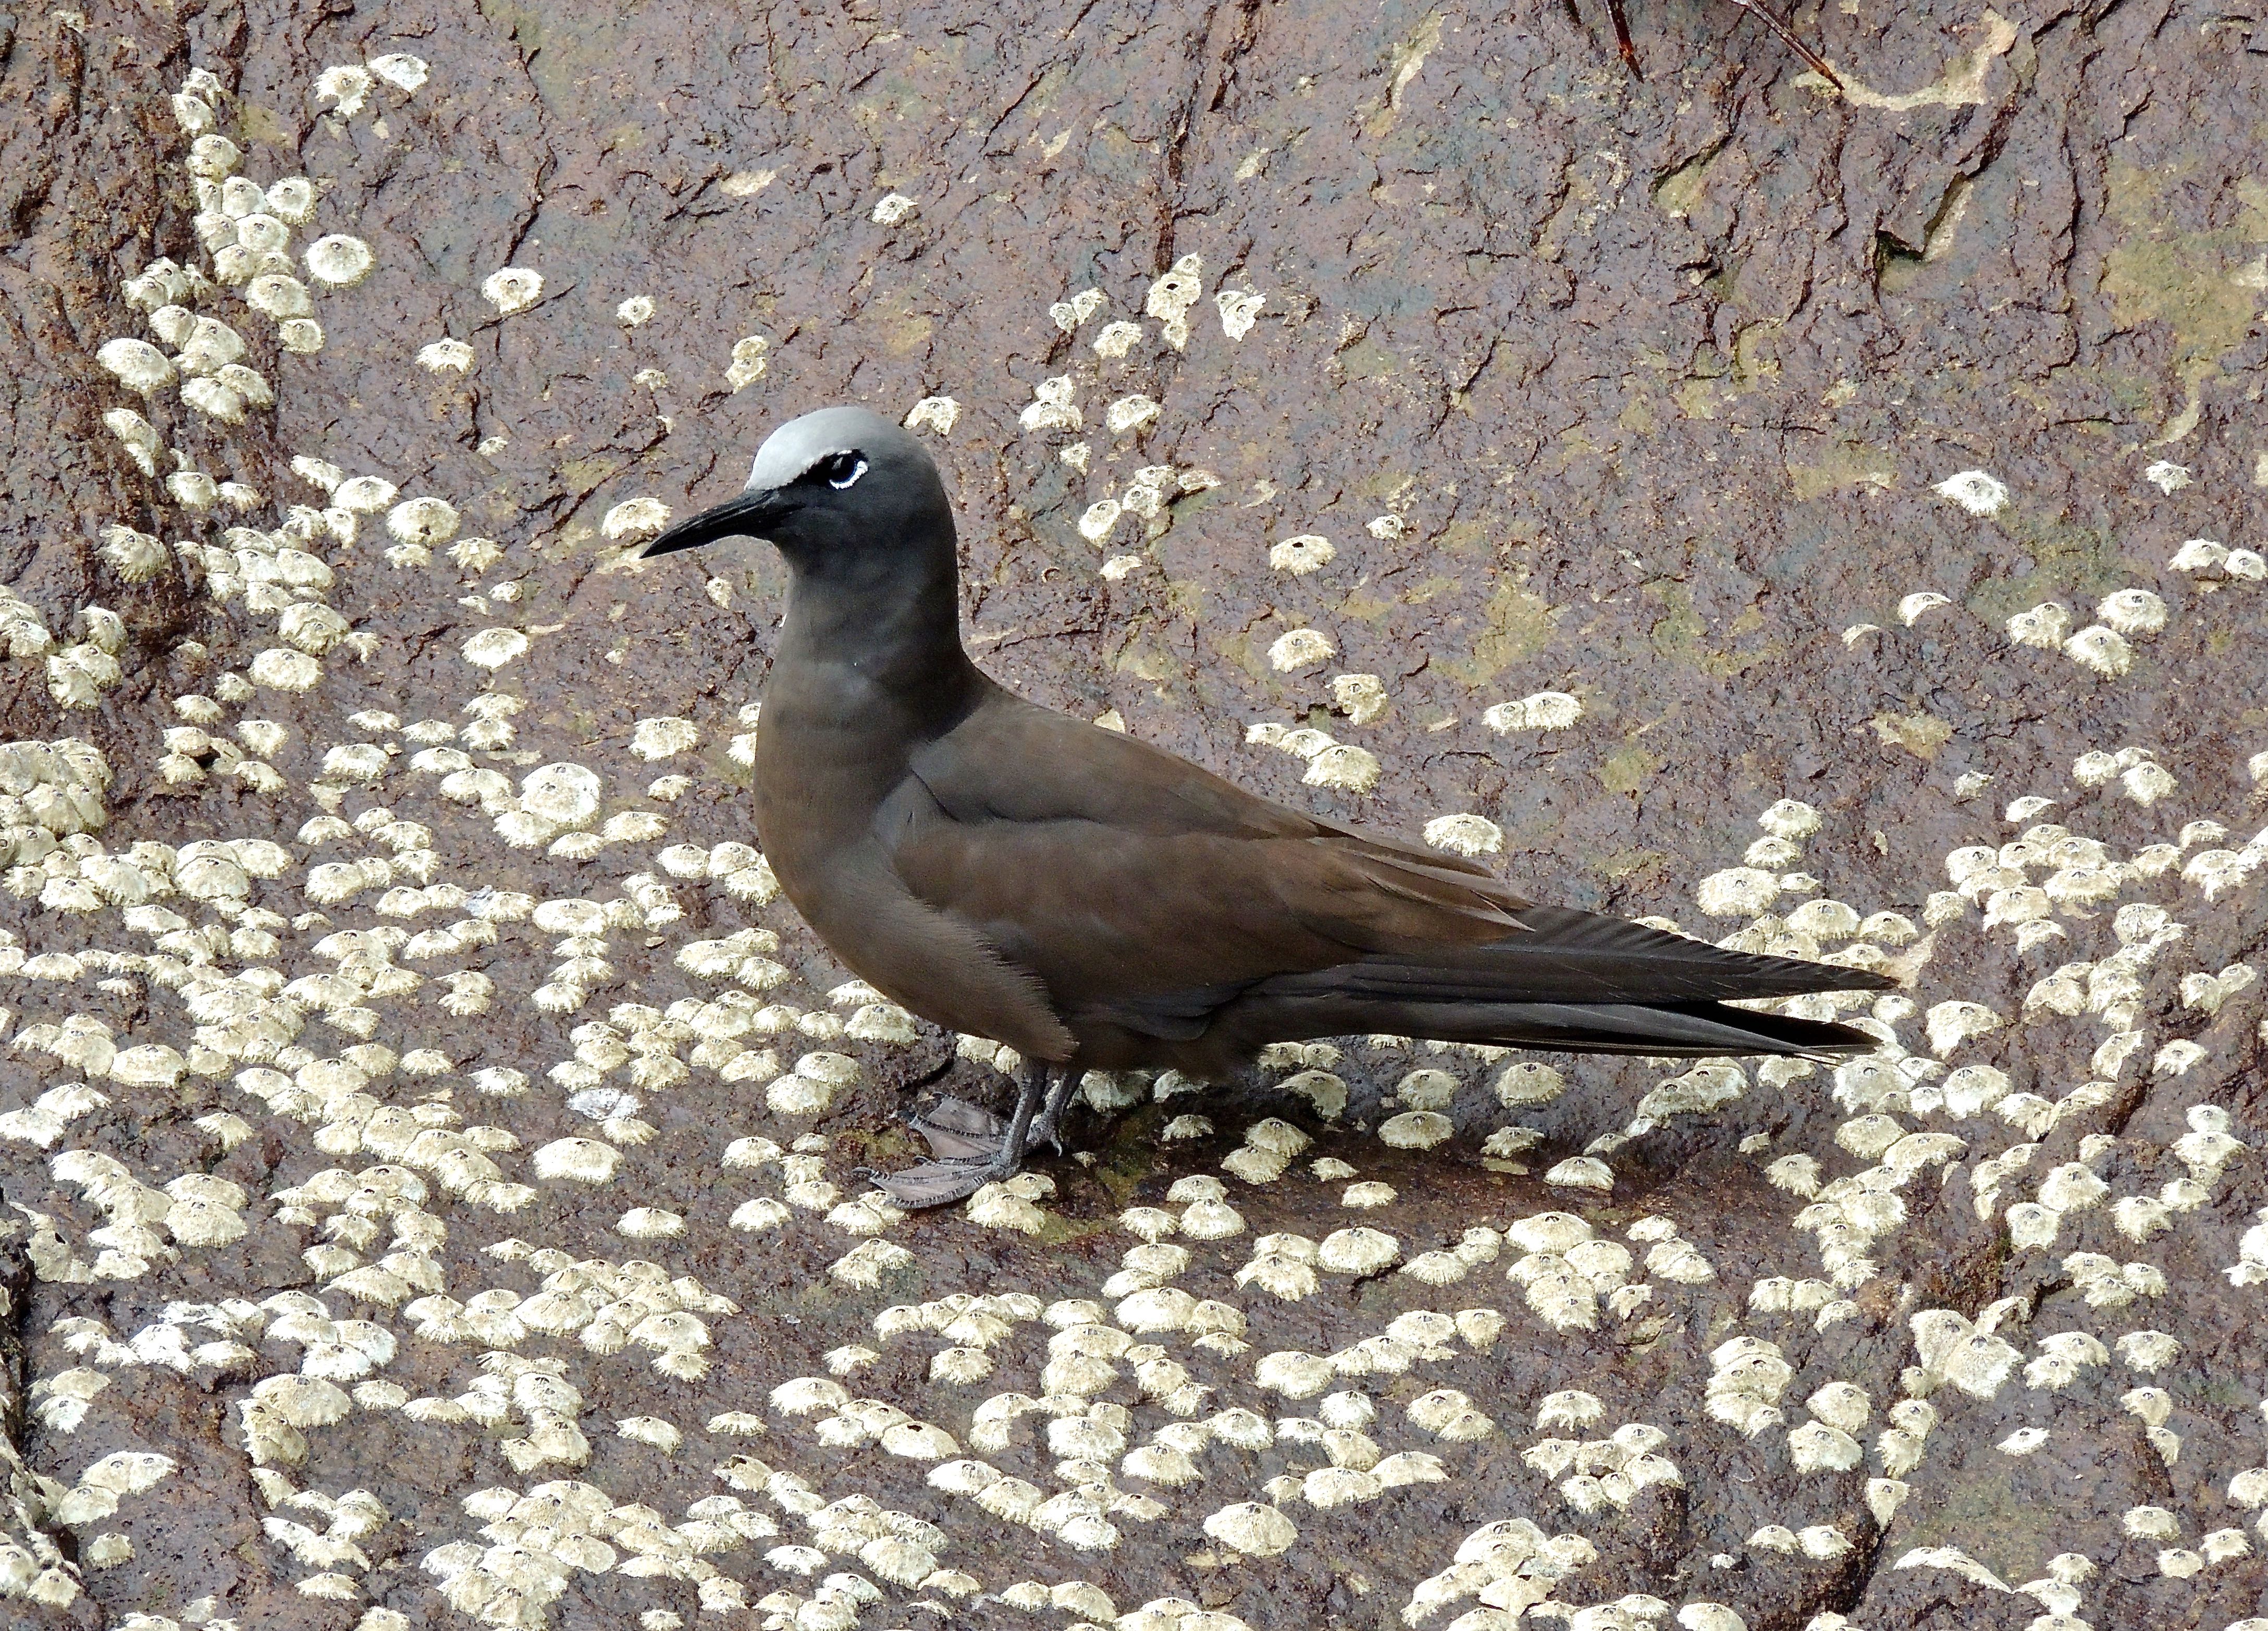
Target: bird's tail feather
point(1578, 956)
point(1574, 981)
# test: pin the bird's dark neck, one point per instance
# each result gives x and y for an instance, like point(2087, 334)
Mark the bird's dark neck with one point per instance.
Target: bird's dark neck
point(893, 634)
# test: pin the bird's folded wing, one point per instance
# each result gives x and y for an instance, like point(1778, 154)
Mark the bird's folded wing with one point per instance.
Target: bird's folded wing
point(937, 962)
point(1011, 767)
point(1010, 760)
point(1098, 912)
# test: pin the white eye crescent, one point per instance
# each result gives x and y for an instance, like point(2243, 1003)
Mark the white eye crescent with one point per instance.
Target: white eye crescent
point(843, 470)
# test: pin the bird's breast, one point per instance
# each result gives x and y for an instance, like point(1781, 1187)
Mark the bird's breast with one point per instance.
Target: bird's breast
point(826, 757)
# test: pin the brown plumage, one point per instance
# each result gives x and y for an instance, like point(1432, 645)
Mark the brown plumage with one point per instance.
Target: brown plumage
point(1097, 904)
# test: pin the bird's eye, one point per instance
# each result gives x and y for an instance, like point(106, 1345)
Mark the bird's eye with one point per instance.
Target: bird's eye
point(841, 470)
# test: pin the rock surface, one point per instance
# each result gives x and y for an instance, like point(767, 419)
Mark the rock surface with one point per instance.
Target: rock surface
point(438, 1196)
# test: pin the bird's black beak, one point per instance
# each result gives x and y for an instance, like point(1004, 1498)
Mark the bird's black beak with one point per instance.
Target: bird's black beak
point(746, 516)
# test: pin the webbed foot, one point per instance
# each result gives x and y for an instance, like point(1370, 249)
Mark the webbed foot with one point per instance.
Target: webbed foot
point(957, 1131)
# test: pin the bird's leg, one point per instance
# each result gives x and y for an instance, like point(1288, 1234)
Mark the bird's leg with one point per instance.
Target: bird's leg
point(1017, 1138)
point(1812, 59)
point(1049, 1128)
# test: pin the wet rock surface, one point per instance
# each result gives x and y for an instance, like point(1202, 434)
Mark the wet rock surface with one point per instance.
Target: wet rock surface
point(1715, 498)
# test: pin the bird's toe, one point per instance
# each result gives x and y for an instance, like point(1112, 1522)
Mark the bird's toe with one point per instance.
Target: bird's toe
point(936, 1183)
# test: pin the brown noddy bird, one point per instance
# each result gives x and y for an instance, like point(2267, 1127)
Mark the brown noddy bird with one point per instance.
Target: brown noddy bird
point(1098, 903)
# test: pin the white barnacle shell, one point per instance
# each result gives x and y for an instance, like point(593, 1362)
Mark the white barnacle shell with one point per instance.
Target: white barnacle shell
point(1099, 519)
point(212, 158)
point(663, 738)
point(1253, 1529)
point(651, 1223)
point(232, 382)
point(1051, 407)
point(2045, 625)
point(2100, 650)
point(1465, 834)
point(280, 668)
point(1300, 648)
point(135, 557)
point(1116, 339)
point(513, 290)
point(1545, 710)
point(338, 260)
point(1582, 1172)
point(584, 1160)
point(1129, 413)
point(2146, 782)
point(138, 435)
point(1548, 1232)
point(1789, 818)
point(493, 648)
point(399, 70)
point(443, 356)
point(1069, 314)
point(1301, 555)
point(937, 413)
point(363, 495)
point(749, 361)
point(292, 200)
point(1737, 891)
point(1238, 309)
point(2132, 611)
point(137, 364)
point(1357, 1251)
point(1529, 1083)
point(634, 518)
point(279, 295)
point(1954, 1021)
point(346, 86)
point(1415, 1129)
point(1976, 491)
point(422, 520)
point(1344, 766)
point(2167, 476)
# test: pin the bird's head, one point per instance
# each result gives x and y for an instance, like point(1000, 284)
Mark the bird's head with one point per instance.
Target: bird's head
point(843, 493)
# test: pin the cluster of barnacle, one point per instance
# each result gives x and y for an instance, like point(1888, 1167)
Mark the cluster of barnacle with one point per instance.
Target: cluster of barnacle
point(1511, 1566)
point(1148, 496)
point(32, 1566)
point(1885, 1094)
point(1600, 1472)
point(899, 1546)
point(79, 673)
point(1093, 1607)
point(606, 1306)
point(348, 86)
point(645, 1040)
point(1151, 491)
point(246, 228)
point(1342, 766)
point(22, 631)
point(2104, 646)
point(1362, 698)
point(51, 793)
